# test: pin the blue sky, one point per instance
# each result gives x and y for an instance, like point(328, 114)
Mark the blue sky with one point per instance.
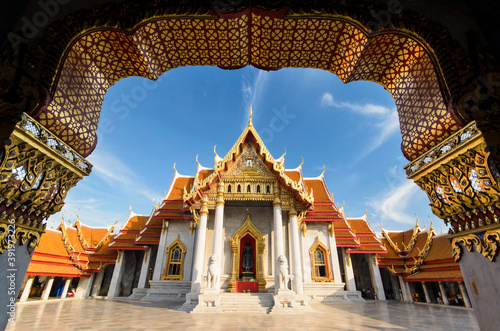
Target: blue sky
point(147, 126)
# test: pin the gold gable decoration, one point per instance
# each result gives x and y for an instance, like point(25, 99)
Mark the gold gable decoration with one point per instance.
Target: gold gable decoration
point(262, 153)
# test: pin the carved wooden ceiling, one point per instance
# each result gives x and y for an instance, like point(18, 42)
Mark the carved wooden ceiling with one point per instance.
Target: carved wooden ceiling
point(397, 59)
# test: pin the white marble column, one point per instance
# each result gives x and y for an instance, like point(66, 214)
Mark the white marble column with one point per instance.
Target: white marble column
point(143, 278)
point(426, 292)
point(48, 288)
point(298, 285)
point(444, 295)
point(218, 242)
point(114, 286)
point(84, 287)
point(375, 277)
point(404, 289)
point(199, 248)
point(97, 283)
point(162, 250)
point(337, 277)
point(27, 289)
point(465, 296)
point(66, 288)
point(349, 273)
point(408, 289)
point(278, 235)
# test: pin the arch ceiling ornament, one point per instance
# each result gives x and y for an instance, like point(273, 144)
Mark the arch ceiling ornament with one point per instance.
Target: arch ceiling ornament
point(394, 57)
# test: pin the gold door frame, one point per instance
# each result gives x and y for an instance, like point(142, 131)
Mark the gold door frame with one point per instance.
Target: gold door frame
point(260, 245)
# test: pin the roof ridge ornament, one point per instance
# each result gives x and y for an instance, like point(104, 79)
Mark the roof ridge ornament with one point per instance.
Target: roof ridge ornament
point(250, 117)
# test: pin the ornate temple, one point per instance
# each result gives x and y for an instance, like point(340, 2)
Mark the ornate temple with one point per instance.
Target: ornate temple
point(247, 225)
point(60, 59)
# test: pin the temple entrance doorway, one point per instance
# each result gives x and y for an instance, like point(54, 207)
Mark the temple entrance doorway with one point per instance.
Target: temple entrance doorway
point(247, 260)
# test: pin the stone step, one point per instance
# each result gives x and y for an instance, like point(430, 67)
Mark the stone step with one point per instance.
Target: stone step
point(247, 303)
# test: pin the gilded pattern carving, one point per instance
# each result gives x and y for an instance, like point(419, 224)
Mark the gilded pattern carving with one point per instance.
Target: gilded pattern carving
point(19, 230)
point(245, 167)
point(460, 179)
point(38, 170)
point(304, 37)
point(486, 243)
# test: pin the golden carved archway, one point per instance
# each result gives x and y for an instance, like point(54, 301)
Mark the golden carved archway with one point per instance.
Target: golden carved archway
point(260, 244)
point(399, 60)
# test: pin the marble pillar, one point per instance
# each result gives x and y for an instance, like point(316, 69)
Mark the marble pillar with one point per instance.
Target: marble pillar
point(143, 278)
point(116, 279)
point(404, 290)
point(444, 294)
point(97, 283)
point(375, 277)
point(278, 237)
point(48, 288)
point(27, 289)
point(337, 277)
point(162, 250)
point(199, 248)
point(218, 242)
point(426, 292)
point(349, 273)
point(465, 295)
point(298, 285)
point(84, 287)
point(66, 288)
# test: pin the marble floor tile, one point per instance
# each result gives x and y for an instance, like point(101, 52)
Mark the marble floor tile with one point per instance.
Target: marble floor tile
point(80, 314)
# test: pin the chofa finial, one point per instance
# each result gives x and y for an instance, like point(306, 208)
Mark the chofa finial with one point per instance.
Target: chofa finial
point(250, 117)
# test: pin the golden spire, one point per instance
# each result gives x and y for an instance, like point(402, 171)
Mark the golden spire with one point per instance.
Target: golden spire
point(250, 117)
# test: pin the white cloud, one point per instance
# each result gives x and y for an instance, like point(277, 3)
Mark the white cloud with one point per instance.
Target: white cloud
point(117, 174)
point(367, 109)
point(393, 205)
point(388, 121)
point(251, 92)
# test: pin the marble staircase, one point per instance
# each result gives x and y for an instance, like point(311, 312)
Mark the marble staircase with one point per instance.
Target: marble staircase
point(242, 303)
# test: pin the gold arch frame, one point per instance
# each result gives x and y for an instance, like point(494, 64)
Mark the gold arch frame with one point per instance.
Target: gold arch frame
point(260, 244)
point(176, 242)
point(325, 249)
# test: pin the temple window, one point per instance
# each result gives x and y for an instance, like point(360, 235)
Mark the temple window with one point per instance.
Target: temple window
point(319, 263)
point(239, 188)
point(319, 259)
point(174, 265)
point(229, 189)
point(249, 189)
point(258, 188)
point(268, 189)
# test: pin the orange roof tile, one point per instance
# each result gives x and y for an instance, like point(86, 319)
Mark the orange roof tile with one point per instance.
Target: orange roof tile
point(294, 175)
point(320, 192)
point(360, 226)
point(51, 243)
point(177, 187)
point(441, 275)
point(440, 249)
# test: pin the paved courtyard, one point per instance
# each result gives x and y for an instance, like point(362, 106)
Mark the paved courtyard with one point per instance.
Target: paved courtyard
point(78, 314)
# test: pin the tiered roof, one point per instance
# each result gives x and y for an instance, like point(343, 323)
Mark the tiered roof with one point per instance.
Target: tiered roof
point(128, 235)
point(365, 236)
point(419, 255)
point(73, 251)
